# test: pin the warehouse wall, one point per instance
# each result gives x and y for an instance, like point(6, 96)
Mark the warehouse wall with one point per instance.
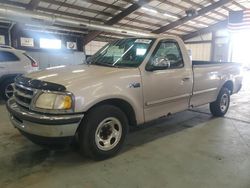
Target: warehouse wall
point(4, 37)
point(93, 47)
point(200, 51)
point(221, 46)
point(50, 59)
point(200, 47)
point(29, 40)
point(213, 46)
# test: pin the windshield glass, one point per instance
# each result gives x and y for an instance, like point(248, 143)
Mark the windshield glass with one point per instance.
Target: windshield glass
point(123, 53)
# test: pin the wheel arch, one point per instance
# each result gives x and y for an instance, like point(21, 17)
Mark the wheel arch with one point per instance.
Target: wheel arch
point(123, 105)
point(229, 85)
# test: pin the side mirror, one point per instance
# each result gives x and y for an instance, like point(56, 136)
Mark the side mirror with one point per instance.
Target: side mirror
point(158, 63)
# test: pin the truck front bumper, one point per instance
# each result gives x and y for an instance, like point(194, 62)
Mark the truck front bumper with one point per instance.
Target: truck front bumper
point(43, 127)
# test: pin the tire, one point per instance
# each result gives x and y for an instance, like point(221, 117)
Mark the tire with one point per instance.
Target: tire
point(219, 107)
point(102, 133)
point(6, 86)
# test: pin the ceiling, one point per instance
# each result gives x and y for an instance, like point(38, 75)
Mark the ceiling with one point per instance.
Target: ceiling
point(153, 16)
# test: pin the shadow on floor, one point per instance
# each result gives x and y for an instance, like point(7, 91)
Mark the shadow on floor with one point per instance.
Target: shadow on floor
point(2, 102)
point(164, 127)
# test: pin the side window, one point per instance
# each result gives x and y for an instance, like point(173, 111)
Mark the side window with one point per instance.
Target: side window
point(167, 54)
point(7, 56)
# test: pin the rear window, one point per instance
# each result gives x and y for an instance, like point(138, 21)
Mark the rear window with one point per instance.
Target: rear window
point(7, 56)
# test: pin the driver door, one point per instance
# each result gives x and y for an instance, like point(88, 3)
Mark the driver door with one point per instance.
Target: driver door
point(167, 82)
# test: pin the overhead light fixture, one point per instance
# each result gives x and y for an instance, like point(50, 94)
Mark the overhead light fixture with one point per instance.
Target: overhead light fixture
point(207, 4)
point(200, 24)
point(50, 43)
point(203, 25)
point(170, 16)
point(192, 22)
point(149, 10)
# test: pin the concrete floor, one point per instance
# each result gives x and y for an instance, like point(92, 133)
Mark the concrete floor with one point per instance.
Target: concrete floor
point(191, 149)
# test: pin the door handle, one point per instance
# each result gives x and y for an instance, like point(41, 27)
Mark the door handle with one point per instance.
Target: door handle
point(2, 67)
point(185, 79)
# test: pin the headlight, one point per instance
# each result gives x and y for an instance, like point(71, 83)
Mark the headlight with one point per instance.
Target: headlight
point(54, 101)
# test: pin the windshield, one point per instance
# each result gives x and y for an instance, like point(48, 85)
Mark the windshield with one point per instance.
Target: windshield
point(123, 53)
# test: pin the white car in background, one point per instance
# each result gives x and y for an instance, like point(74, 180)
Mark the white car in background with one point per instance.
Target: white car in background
point(13, 62)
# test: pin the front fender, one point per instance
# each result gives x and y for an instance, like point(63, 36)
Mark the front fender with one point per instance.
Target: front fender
point(124, 84)
point(99, 92)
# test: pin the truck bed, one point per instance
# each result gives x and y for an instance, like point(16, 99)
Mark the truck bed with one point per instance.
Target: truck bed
point(209, 77)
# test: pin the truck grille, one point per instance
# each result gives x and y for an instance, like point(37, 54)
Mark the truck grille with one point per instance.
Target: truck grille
point(23, 95)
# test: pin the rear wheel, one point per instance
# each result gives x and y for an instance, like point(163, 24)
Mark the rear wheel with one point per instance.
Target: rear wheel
point(219, 107)
point(103, 132)
point(7, 89)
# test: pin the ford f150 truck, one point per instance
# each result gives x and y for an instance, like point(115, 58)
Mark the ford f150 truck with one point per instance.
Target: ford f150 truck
point(127, 83)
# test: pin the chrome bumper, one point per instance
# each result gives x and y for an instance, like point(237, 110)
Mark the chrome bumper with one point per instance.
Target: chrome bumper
point(41, 124)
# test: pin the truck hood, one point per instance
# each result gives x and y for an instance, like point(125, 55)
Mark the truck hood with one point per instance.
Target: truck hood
point(68, 75)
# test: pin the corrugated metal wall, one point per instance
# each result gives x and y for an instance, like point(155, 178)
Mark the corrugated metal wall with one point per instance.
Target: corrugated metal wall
point(200, 51)
point(200, 47)
point(93, 47)
point(50, 59)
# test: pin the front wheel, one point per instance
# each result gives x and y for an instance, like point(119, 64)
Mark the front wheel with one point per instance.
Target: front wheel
point(219, 107)
point(103, 131)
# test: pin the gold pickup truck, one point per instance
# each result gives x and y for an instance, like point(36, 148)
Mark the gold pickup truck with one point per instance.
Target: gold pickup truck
point(127, 83)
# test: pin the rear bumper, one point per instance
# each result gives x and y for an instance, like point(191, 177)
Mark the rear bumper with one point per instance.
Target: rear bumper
point(43, 125)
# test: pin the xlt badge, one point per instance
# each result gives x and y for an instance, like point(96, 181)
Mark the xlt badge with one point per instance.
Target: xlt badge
point(134, 85)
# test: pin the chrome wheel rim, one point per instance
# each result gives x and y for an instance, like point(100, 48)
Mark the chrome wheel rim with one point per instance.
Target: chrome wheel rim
point(108, 133)
point(224, 102)
point(9, 90)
